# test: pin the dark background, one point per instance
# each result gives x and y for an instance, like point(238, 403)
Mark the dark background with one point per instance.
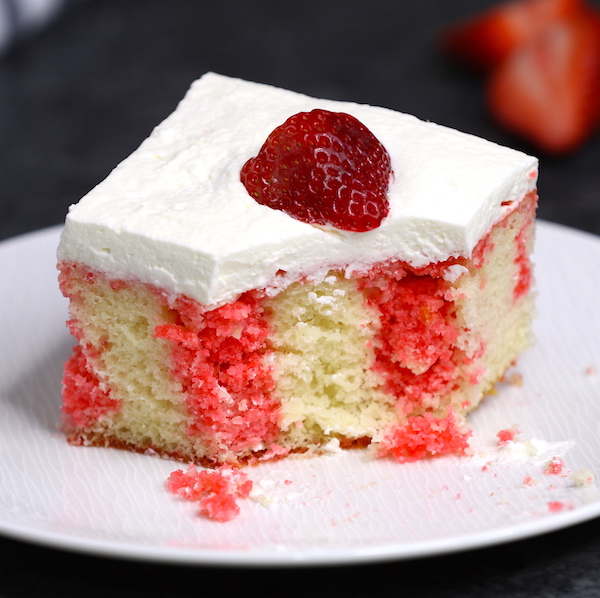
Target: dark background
point(82, 94)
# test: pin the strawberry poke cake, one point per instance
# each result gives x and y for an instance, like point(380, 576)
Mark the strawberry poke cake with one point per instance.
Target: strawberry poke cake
point(270, 273)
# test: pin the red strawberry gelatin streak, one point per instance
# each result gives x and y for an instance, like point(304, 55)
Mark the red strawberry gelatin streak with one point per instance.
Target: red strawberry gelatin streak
point(323, 168)
point(223, 351)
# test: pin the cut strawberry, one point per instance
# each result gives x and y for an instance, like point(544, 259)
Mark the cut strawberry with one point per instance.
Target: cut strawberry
point(486, 40)
point(548, 91)
point(324, 168)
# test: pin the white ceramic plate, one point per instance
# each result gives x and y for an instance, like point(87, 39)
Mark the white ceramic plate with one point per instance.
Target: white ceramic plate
point(334, 509)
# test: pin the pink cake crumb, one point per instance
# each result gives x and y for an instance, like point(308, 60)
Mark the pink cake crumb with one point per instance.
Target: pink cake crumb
point(507, 435)
point(425, 436)
point(554, 466)
point(215, 491)
point(555, 506)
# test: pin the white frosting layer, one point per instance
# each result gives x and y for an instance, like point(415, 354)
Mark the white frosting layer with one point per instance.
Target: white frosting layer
point(175, 214)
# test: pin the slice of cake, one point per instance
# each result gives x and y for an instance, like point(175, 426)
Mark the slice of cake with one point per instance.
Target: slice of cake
point(219, 323)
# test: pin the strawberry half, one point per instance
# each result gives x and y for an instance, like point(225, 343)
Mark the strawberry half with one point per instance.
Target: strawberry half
point(486, 40)
point(548, 91)
point(324, 168)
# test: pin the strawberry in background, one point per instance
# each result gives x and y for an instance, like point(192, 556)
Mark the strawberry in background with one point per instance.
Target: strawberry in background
point(541, 60)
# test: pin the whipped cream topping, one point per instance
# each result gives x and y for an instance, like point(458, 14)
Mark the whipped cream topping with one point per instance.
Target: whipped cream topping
point(174, 213)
